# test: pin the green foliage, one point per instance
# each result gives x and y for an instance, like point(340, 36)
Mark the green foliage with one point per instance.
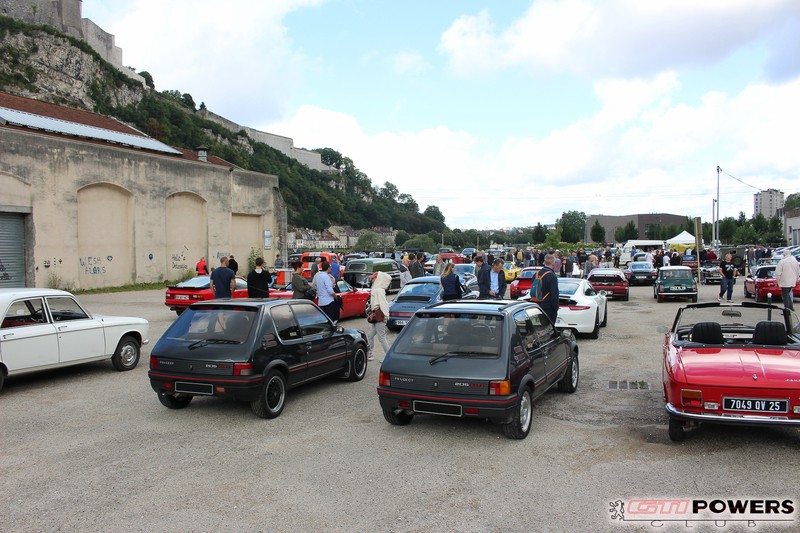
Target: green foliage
point(401, 237)
point(148, 79)
point(792, 201)
point(370, 242)
point(598, 232)
point(421, 241)
point(434, 213)
point(572, 225)
point(627, 232)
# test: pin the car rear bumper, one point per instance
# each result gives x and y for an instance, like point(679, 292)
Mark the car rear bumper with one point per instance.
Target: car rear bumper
point(745, 420)
point(245, 388)
point(499, 409)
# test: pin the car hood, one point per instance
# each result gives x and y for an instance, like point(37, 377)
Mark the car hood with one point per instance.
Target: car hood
point(741, 367)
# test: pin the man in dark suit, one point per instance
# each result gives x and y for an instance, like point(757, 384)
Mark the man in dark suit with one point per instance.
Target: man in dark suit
point(492, 281)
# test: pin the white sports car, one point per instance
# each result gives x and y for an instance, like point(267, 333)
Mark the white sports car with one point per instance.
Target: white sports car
point(581, 308)
point(47, 328)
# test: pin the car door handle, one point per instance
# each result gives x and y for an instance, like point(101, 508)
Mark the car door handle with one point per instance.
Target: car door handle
point(7, 335)
point(62, 328)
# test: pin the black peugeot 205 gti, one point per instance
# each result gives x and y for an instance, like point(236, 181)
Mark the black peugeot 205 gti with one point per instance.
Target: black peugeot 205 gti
point(482, 359)
point(253, 351)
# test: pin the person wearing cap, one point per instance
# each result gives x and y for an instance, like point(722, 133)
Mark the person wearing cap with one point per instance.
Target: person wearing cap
point(380, 281)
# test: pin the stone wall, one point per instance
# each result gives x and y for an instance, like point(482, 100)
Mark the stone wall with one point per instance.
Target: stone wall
point(99, 218)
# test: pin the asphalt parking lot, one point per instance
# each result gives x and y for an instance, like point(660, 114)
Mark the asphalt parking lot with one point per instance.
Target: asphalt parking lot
point(92, 449)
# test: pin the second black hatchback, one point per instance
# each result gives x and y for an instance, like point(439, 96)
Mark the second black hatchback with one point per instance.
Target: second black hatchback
point(482, 359)
point(252, 351)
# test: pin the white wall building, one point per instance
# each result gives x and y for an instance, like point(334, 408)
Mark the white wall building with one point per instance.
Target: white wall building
point(769, 203)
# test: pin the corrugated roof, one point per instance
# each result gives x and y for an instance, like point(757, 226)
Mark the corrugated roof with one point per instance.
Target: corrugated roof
point(40, 122)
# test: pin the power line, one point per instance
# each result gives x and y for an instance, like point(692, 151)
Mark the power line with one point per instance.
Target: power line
point(737, 179)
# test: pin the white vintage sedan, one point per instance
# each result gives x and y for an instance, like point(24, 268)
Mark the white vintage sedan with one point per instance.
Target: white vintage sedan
point(48, 328)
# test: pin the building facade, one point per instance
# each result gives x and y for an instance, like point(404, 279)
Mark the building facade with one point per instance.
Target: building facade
point(88, 202)
point(768, 203)
point(643, 222)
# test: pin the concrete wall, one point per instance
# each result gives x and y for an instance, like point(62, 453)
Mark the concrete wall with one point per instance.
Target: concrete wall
point(64, 15)
point(99, 214)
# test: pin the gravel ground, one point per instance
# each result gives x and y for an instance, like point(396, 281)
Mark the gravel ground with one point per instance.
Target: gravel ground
point(92, 449)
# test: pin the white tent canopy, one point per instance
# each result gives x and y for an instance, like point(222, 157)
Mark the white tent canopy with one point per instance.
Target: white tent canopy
point(683, 237)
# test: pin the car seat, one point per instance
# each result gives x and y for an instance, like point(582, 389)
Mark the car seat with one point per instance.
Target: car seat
point(770, 334)
point(707, 333)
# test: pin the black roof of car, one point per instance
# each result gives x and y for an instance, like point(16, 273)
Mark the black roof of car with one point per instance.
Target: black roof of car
point(245, 302)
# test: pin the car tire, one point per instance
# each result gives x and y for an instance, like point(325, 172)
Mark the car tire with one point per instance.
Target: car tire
point(520, 424)
point(676, 431)
point(759, 298)
point(174, 402)
point(694, 299)
point(746, 294)
point(358, 364)
point(2, 378)
point(595, 333)
point(569, 383)
point(400, 418)
point(272, 397)
point(127, 354)
point(626, 297)
point(604, 323)
point(659, 298)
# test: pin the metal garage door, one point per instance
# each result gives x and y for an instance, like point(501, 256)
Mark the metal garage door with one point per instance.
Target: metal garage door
point(12, 250)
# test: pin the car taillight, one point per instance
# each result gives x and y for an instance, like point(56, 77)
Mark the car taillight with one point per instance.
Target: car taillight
point(242, 369)
point(385, 379)
point(169, 295)
point(577, 307)
point(197, 297)
point(403, 315)
point(691, 398)
point(153, 363)
point(499, 388)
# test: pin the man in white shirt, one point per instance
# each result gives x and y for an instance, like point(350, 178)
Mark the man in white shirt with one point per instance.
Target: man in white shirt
point(787, 272)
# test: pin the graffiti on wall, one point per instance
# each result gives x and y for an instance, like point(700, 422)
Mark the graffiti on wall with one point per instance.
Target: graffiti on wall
point(94, 265)
point(179, 261)
point(4, 275)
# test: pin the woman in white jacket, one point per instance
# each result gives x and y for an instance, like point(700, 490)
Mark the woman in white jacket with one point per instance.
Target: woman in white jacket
point(377, 299)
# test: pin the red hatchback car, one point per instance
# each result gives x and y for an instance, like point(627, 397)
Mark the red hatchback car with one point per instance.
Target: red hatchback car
point(762, 282)
point(611, 280)
point(732, 364)
point(185, 293)
point(354, 301)
point(522, 284)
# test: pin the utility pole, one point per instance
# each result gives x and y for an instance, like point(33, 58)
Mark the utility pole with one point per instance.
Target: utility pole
point(717, 220)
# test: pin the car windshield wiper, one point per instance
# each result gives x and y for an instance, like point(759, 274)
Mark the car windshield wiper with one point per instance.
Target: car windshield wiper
point(206, 342)
point(445, 356)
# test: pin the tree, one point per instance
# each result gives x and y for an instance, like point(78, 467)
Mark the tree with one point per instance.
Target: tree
point(627, 232)
point(745, 235)
point(539, 234)
point(421, 241)
point(572, 225)
point(727, 227)
point(188, 101)
point(408, 202)
point(148, 79)
point(598, 232)
point(792, 201)
point(369, 241)
point(433, 212)
point(389, 191)
point(401, 237)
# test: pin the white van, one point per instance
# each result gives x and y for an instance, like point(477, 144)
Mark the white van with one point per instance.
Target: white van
point(641, 245)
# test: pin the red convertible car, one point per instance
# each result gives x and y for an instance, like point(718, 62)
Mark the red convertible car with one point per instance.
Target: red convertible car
point(354, 301)
point(732, 364)
point(762, 282)
point(522, 284)
point(185, 293)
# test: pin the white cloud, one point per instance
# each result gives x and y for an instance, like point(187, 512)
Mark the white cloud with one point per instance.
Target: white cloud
point(617, 38)
point(410, 63)
point(661, 158)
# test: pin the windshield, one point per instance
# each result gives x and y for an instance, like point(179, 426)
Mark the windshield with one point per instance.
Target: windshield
point(766, 272)
point(567, 287)
point(464, 269)
point(213, 323)
point(527, 273)
point(200, 282)
point(676, 274)
point(726, 315)
point(459, 334)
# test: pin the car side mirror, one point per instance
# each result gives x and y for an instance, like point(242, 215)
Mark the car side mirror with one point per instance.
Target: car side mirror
point(339, 329)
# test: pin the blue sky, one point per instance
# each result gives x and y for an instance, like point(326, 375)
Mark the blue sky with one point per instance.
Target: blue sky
point(501, 113)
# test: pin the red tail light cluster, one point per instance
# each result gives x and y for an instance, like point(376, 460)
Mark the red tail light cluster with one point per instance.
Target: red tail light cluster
point(499, 388)
point(242, 369)
point(153, 363)
point(385, 379)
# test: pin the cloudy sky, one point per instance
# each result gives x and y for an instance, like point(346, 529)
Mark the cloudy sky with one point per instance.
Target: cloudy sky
point(501, 113)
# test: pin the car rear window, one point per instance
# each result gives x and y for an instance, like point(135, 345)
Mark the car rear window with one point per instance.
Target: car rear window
point(641, 266)
point(200, 282)
point(357, 267)
point(459, 334)
point(606, 279)
point(418, 291)
point(216, 324)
